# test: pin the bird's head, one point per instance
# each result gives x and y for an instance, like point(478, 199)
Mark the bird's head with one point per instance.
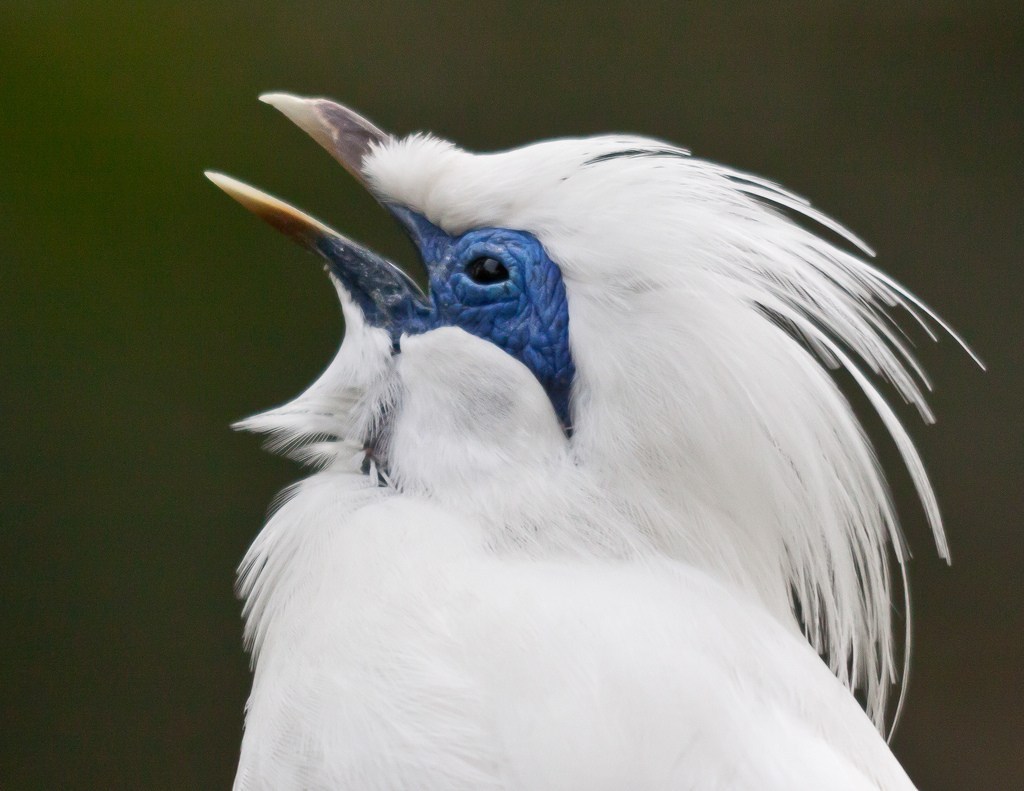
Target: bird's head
point(495, 279)
point(677, 319)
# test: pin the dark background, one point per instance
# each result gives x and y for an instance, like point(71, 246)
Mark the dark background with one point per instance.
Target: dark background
point(142, 311)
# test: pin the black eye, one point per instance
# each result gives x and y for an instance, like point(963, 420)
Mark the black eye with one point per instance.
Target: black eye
point(486, 270)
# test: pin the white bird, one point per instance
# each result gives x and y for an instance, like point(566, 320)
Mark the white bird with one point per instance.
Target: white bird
point(592, 514)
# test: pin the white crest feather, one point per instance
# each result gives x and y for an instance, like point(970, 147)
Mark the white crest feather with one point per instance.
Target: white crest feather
point(705, 425)
point(716, 423)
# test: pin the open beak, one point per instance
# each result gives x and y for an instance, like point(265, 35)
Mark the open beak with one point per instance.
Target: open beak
point(387, 296)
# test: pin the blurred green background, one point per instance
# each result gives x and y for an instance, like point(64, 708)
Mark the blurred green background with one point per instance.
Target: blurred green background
point(142, 311)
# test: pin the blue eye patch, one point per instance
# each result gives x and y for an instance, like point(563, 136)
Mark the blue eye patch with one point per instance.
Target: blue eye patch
point(499, 285)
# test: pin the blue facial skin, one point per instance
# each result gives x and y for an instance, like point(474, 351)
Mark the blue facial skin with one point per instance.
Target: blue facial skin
point(526, 314)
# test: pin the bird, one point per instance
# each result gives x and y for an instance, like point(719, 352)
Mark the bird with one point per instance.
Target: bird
point(590, 511)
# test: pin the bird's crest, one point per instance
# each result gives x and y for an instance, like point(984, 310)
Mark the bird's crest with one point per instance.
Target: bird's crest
point(702, 319)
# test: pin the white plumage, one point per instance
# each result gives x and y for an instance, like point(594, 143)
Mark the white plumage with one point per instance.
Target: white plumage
point(504, 604)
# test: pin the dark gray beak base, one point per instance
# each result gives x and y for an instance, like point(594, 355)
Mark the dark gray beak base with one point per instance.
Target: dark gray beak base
point(386, 295)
